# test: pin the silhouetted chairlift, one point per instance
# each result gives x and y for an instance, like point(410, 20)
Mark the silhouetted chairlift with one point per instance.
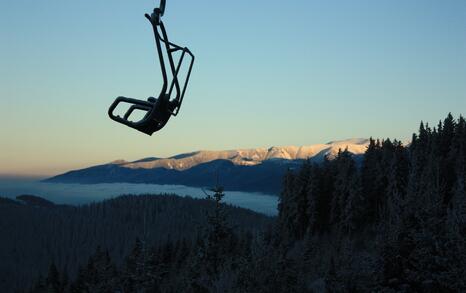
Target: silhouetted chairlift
point(158, 110)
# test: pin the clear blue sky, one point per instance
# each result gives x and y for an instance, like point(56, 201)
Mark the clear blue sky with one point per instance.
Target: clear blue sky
point(267, 73)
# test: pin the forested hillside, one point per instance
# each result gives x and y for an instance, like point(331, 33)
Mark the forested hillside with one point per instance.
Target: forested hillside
point(397, 223)
point(394, 223)
point(35, 233)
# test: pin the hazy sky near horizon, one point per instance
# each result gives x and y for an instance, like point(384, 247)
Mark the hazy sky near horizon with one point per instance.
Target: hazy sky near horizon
point(267, 73)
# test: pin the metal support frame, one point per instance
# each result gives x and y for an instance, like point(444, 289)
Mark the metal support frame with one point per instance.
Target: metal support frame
point(158, 111)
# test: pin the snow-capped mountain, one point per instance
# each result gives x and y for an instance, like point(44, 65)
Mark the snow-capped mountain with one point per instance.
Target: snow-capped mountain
point(260, 169)
point(250, 157)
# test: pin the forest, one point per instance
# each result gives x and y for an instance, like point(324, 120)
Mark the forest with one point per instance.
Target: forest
point(394, 221)
point(37, 233)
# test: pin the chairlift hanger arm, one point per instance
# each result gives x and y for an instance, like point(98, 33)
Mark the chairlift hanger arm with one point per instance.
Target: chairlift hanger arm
point(162, 37)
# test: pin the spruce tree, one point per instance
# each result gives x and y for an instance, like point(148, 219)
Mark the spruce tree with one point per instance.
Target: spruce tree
point(299, 202)
point(219, 235)
point(286, 209)
point(346, 193)
point(53, 280)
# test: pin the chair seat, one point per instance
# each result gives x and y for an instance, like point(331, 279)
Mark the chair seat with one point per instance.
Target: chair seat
point(158, 112)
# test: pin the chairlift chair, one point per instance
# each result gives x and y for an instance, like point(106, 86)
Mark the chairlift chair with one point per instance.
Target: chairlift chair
point(158, 110)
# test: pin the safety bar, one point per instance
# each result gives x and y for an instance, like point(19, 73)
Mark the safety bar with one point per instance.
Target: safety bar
point(137, 104)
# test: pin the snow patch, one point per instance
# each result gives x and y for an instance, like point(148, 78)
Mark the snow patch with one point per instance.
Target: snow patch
point(251, 157)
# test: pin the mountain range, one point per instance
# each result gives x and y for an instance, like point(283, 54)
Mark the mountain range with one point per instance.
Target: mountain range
point(253, 170)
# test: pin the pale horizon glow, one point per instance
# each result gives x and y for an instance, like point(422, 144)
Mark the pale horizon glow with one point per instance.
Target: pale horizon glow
point(267, 73)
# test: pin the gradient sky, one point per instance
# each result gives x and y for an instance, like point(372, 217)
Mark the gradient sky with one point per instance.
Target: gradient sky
point(267, 73)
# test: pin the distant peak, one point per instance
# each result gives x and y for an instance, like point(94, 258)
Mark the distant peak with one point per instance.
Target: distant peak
point(358, 141)
point(150, 159)
point(118, 162)
point(182, 156)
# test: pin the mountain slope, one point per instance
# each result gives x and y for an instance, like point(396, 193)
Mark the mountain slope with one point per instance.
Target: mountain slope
point(259, 170)
point(249, 157)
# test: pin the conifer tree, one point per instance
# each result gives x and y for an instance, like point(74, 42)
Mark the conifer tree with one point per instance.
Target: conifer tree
point(371, 178)
point(53, 280)
point(285, 208)
point(346, 190)
point(299, 202)
point(100, 274)
point(315, 201)
point(219, 234)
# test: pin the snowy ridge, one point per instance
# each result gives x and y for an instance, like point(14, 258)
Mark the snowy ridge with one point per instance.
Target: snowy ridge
point(250, 157)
